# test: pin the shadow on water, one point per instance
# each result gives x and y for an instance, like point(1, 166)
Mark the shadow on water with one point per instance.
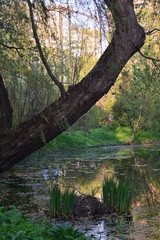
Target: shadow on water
point(27, 186)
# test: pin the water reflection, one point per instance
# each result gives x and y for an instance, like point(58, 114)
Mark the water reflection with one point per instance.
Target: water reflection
point(28, 184)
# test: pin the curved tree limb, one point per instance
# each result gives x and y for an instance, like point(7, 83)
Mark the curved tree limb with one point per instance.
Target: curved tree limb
point(154, 60)
point(127, 39)
point(54, 79)
point(147, 57)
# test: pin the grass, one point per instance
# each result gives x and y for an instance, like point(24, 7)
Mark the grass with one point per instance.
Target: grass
point(15, 226)
point(101, 136)
point(117, 196)
point(61, 202)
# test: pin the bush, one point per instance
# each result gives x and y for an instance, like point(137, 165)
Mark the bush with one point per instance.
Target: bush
point(117, 196)
point(15, 226)
point(66, 232)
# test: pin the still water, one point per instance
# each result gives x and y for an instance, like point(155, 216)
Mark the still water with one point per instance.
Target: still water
point(27, 186)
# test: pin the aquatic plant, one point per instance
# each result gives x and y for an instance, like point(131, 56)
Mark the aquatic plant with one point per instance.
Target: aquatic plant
point(15, 226)
point(61, 202)
point(93, 192)
point(66, 231)
point(117, 196)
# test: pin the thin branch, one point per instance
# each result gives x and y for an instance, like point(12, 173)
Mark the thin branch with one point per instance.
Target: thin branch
point(54, 79)
point(143, 5)
point(154, 60)
point(69, 186)
point(147, 57)
point(152, 31)
point(64, 9)
point(10, 47)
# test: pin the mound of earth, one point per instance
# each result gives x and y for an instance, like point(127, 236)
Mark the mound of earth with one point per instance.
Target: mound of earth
point(87, 205)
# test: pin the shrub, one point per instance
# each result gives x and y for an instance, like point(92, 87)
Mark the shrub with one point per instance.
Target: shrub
point(117, 196)
point(61, 203)
point(15, 226)
point(66, 232)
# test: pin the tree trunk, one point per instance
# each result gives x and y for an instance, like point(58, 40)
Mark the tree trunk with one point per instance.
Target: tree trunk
point(136, 126)
point(5, 108)
point(32, 135)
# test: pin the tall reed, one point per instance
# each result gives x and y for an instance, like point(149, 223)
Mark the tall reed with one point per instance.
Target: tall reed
point(117, 196)
point(61, 202)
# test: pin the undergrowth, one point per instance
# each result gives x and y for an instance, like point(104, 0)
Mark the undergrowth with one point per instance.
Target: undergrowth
point(14, 226)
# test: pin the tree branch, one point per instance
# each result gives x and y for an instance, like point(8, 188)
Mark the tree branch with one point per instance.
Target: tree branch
point(122, 14)
point(143, 5)
point(154, 60)
point(152, 31)
point(54, 79)
point(147, 57)
point(12, 48)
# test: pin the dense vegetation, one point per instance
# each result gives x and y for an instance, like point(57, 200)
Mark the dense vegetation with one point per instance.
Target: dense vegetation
point(15, 226)
point(100, 137)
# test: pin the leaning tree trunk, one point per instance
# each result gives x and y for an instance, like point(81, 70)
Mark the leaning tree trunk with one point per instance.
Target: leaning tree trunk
point(33, 134)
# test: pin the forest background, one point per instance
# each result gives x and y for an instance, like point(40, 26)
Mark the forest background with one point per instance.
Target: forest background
point(73, 37)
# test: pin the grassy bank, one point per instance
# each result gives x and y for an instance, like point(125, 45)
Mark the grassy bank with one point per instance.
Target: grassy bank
point(101, 136)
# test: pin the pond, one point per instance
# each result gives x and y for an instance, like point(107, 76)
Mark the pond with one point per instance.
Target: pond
point(27, 186)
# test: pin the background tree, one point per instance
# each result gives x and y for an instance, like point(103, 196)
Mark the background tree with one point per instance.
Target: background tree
point(136, 101)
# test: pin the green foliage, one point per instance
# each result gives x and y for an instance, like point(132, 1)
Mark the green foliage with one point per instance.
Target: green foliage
point(14, 226)
point(138, 96)
point(29, 88)
point(66, 232)
point(94, 118)
point(99, 137)
point(117, 196)
point(138, 90)
point(61, 203)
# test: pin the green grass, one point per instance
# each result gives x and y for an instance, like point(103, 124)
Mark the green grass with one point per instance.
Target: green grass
point(101, 136)
point(146, 136)
point(61, 202)
point(14, 226)
point(117, 196)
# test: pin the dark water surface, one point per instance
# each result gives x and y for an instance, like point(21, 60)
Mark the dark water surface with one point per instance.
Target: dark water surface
point(27, 186)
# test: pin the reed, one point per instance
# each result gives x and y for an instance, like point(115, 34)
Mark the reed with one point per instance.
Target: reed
point(68, 199)
point(117, 196)
point(61, 202)
point(55, 201)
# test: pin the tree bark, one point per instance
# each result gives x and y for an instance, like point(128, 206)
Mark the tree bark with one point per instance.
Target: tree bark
point(5, 108)
point(136, 126)
point(128, 38)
